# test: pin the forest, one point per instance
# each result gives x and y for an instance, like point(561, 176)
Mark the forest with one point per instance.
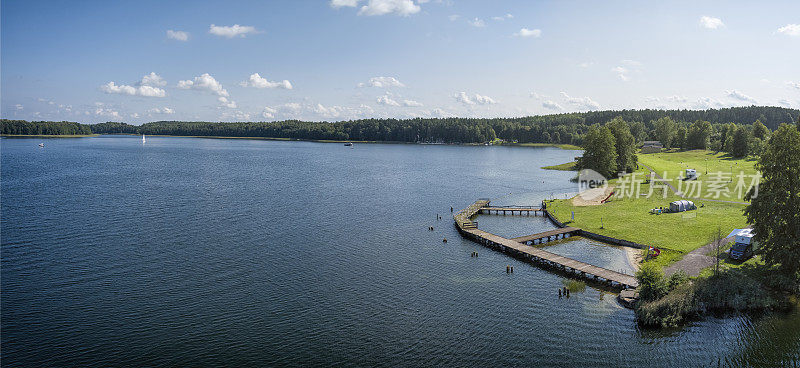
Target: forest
point(680, 127)
point(22, 127)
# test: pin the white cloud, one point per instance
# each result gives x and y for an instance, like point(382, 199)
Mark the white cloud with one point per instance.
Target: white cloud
point(622, 73)
point(632, 63)
point(738, 95)
point(502, 18)
point(677, 98)
point(707, 103)
point(581, 102)
point(165, 110)
point(382, 82)
point(439, 113)
point(790, 30)
point(204, 82)
point(453, 17)
point(387, 100)
point(146, 91)
point(106, 112)
point(257, 81)
point(793, 84)
point(231, 31)
point(785, 102)
point(269, 112)
point(235, 115)
point(477, 23)
point(19, 107)
point(294, 110)
point(226, 102)
point(464, 98)
point(380, 7)
point(135, 115)
point(178, 35)
point(411, 103)
point(551, 105)
point(340, 3)
point(711, 22)
point(586, 64)
point(534, 33)
point(153, 79)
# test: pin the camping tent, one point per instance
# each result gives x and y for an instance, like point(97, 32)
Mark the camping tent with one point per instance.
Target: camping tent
point(682, 205)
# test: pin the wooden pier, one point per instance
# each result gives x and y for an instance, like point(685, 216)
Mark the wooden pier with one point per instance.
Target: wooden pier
point(512, 210)
point(516, 248)
point(552, 234)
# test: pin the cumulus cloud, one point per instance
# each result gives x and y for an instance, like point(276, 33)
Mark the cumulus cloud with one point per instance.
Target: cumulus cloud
point(231, 31)
point(226, 102)
point(677, 98)
point(382, 82)
point(100, 111)
point(411, 103)
point(256, 81)
point(707, 103)
point(793, 84)
point(380, 7)
point(532, 33)
point(453, 17)
point(178, 35)
point(466, 99)
point(340, 3)
point(312, 111)
point(387, 100)
point(738, 95)
point(269, 112)
point(19, 107)
point(142, 90)
point(711, 22)
point(477, 22)
point(153, 79)
point(581, 102)
point(164, 110)
point(785, 102)
point(205, 82)
point(790, 30)
point(550, 105)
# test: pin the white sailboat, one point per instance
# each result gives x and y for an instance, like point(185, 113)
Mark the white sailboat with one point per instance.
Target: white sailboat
point(143, 140)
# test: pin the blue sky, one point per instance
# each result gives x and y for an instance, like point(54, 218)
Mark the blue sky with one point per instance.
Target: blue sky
point(140, 61)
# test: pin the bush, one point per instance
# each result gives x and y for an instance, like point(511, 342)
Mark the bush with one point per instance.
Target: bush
point(652, 285)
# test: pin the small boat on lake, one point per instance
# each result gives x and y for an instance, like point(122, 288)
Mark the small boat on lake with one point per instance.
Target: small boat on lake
point(41, 144)
point(348, 144)
point(143, 139)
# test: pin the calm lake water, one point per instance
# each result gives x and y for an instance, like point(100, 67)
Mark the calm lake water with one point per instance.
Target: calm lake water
point(233, 252)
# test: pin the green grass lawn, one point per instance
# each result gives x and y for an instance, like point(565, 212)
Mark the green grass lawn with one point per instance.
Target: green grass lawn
point(629, 217)
point(706, 163)
point(569, 166)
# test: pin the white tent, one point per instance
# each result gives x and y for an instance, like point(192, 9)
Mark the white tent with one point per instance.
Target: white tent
point(681, 205)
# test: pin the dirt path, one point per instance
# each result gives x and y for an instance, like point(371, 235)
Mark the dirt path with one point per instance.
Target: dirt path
point(697, 260)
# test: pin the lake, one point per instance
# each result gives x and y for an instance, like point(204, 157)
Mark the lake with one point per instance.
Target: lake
point(199, 252)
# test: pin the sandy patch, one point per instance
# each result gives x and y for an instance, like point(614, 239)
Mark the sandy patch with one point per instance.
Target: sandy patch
point(635, 257)
point(597, 195)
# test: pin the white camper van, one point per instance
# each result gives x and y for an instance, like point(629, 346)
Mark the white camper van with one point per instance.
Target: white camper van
point(691, 174)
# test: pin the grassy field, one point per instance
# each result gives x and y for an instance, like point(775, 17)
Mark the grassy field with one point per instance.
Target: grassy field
point(706, 163)
point(629, 218)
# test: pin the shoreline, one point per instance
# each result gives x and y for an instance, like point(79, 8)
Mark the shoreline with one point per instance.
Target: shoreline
point(535, 145)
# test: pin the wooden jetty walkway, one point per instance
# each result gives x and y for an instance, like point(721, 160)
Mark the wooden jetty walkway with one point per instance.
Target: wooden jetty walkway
point(515, 247)
point(564, 232)
point(518, 209)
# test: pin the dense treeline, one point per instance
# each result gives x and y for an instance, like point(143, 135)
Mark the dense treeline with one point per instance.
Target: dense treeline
point(22, 127)
point(566, 128)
